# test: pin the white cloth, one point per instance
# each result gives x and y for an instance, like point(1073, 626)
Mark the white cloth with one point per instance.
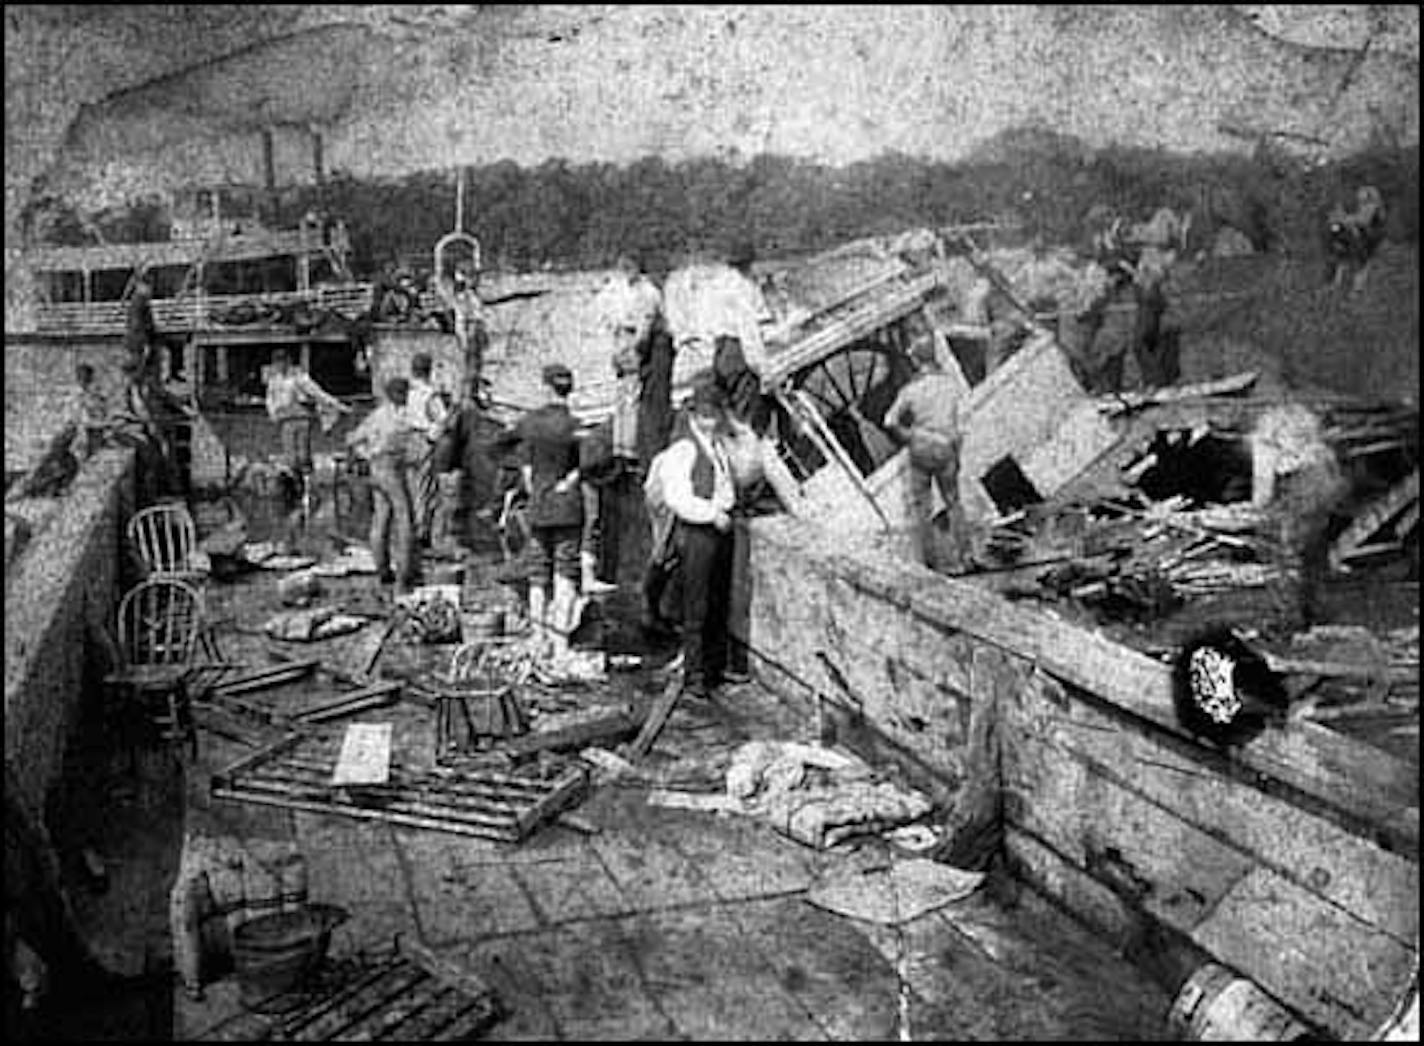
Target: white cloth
point(676, 472)
point(703, 301)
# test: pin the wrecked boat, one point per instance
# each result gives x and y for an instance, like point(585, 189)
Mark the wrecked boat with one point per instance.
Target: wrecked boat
point(1288, 857)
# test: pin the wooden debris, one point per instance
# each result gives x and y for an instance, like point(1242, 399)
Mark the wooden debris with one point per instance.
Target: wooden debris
point(295, 773)
point(411, 995)
point(1375, 516)
point(609, 727)
point(377, 696)
point(657, 719)
point(276, 675)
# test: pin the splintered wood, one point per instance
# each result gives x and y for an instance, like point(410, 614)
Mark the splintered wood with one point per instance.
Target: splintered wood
point(410, 996)
point(296, 772)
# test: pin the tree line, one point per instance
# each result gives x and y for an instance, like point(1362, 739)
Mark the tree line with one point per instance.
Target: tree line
point(581, 216)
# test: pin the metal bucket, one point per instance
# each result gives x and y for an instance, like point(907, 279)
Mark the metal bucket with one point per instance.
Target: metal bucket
point(275, 954)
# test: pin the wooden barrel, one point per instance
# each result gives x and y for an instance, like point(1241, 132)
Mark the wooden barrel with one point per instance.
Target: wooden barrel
point(1219, 1005)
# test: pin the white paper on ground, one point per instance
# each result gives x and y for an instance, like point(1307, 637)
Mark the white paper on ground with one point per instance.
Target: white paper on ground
point(365, 755)
point(906, 891)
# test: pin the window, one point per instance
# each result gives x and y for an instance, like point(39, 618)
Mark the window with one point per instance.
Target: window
point(110, 284)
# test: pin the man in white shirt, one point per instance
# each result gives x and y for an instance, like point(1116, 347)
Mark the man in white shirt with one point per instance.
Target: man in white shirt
point(704, 301)
point(626, 306)
point(384, 439)
point(428, 415)
point(700, 492)
point(293, 400)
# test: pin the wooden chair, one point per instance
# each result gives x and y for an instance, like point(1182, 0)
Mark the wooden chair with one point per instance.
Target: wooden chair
point(164, 539)
point(160, 623)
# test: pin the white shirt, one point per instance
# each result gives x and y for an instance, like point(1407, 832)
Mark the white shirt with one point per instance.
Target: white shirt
point(386, 430)
point(425, 408)
point(290, 394)
point(703, 301)
point(676, 471)
point(624, 302)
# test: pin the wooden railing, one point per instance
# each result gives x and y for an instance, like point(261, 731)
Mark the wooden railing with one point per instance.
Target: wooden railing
point(195, 313)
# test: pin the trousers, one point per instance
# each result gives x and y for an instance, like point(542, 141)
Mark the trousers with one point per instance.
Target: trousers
point(706, 555)
point(392, 521)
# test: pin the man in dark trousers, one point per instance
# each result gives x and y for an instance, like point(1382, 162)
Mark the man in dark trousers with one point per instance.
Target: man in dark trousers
point(699, 491)
point(549, 453)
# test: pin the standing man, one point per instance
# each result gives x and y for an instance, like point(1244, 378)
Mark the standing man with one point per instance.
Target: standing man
point(469, 319)
point(293, 400)
point(141, 337)
point(549, 464)
point(467, 462)
point(428, 414)
point(698, 490)
point(925, 415)
point(626, 307)
point(89, 412)
point(384, 439)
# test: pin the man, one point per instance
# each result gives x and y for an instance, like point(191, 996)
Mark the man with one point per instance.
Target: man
point(89, 413)
point(467, 463)
point(704, 301)
point(549, 452)
point(925, 415)
point(293, 400)
point(428, 414)
point(1354, 236)
point(141, 337)
point(699, 491)
point(626, 307)
point(133, 425)
point(384, 439)
point(469, 319)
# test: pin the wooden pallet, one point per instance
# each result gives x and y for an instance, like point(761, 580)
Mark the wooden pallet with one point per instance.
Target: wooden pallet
point(295, 773)
point(407, 996)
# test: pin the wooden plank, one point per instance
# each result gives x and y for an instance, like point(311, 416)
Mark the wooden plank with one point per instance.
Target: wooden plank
point(1313, 957)
point(1373, 517)
point(1186, 879)
point(613, 726)
point(657, 719)
point(1186, 783)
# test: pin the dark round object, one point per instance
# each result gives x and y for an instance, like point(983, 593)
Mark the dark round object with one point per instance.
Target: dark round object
point(1224, 690)
point(275, 954)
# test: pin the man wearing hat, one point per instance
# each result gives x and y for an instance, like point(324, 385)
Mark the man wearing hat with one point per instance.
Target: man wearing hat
point(925, 415)
point(699, 490)
point(549, 461)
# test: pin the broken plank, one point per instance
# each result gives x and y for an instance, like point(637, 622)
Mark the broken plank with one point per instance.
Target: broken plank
point(352, 1007)
point(377, 696)
point(1374, 517)
point(657, 718)
point(277, 675)
point(567, 789)
point(613, 726)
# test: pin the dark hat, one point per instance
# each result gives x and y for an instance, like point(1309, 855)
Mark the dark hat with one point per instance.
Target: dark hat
point(395, 386)
point(707, 398)
point(556, 374)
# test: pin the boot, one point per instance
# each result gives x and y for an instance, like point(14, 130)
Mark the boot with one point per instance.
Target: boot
point(589, 584)
point(565, 613)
